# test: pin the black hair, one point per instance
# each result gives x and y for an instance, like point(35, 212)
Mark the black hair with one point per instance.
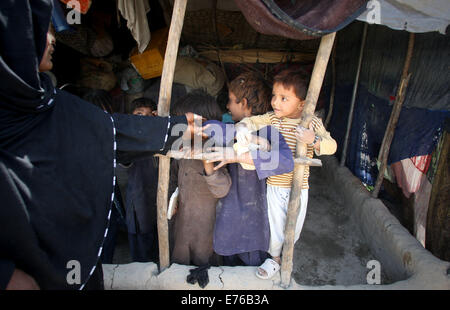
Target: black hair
point(198, 102)
point(295, 78)
point(143, 103)
point(100, 98)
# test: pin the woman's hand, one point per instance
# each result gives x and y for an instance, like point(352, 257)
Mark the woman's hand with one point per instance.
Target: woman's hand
point(194, 126)
point(223, 155)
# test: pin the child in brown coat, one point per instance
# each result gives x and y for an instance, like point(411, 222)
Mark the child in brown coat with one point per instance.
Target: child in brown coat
point(200, 188)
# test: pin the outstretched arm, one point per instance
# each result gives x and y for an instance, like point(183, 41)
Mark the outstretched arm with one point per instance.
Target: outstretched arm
point(139, 137)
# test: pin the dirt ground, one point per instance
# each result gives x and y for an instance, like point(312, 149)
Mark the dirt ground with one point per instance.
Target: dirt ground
point(330, 250)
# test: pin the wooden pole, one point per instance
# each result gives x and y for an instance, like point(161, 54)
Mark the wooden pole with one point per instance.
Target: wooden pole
point(323, 55)
point(437, 238)
point(355, 88)
point(333, 83)
point(165, 93)
point(395, 114)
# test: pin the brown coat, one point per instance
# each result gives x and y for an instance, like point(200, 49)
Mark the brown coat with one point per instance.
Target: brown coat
point(193, 224)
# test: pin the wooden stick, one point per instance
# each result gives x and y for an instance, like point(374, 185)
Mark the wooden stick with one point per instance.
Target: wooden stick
point(308, 161)
point(206, 156)
point(255, 56)
point(333, 84)
point(165, 93)
point(323, 55)
point(355, 89)
point(393, 120)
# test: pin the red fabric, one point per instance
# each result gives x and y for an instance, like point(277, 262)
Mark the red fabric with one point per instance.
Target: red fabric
point(422, 162)
point(410, 172)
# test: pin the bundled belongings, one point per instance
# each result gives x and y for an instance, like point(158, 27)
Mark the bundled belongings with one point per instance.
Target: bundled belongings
point(97, 73)
point(196, 73)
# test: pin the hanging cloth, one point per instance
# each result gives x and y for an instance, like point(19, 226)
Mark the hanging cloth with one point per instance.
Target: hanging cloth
point(135, 12)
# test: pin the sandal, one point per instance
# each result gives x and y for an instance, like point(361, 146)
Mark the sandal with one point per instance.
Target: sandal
point(270, 266)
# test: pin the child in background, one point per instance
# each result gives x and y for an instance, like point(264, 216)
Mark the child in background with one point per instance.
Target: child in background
point(99, 97)
point(140, 199)
point(242, 231)
point(288, 99)
point(200, 188)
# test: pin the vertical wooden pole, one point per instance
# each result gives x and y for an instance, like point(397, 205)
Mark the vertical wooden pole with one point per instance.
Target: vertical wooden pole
point(323, 55)
point(437, 238)
point(333, 83)
point(352, 104)
point(165, 93)
point(395, 114)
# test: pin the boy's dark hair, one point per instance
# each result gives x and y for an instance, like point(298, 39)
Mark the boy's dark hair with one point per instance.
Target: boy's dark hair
point(143, 103)
point(198, 102)
point(255, 89)
point(100, 98)
point(293, 78)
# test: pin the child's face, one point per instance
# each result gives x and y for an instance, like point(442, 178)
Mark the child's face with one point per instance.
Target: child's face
point(144, 111)
point(285, 103)
point(238, 110)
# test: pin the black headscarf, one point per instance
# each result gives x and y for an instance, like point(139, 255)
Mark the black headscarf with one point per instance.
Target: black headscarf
point(57, 158)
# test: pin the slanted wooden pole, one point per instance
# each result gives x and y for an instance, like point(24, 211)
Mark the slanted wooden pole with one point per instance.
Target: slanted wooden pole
point(165, 93)
point(393, 120)
point(323, 55)
point(355, 89)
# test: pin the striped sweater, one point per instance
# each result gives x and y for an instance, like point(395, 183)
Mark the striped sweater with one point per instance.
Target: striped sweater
point(286, 126)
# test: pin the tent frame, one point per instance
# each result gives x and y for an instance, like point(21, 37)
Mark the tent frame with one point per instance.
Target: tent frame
point(318, 74)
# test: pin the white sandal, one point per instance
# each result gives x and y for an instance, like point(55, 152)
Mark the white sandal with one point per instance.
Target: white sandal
point(270, 266)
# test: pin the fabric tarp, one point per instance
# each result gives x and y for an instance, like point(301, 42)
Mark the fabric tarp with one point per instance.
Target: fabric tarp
point(409, 15)
point(383, 61)
point(417, 132)
point(300, 19)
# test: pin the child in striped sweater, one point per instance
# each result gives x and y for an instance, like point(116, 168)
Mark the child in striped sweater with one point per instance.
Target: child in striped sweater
point(288, 99)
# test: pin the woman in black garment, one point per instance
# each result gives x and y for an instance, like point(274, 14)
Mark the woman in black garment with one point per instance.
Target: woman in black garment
point(57, 160)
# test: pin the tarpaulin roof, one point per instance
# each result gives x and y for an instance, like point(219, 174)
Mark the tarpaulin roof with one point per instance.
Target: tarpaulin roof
point(409, 15)
point(300, 19)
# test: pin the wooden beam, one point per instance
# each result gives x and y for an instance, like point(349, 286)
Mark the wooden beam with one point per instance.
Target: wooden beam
point(393, 120)
point(315, 85)
point(165, 93)
point(437, 239)
point(206, 156)
point(308, 161)
point(256, 56)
